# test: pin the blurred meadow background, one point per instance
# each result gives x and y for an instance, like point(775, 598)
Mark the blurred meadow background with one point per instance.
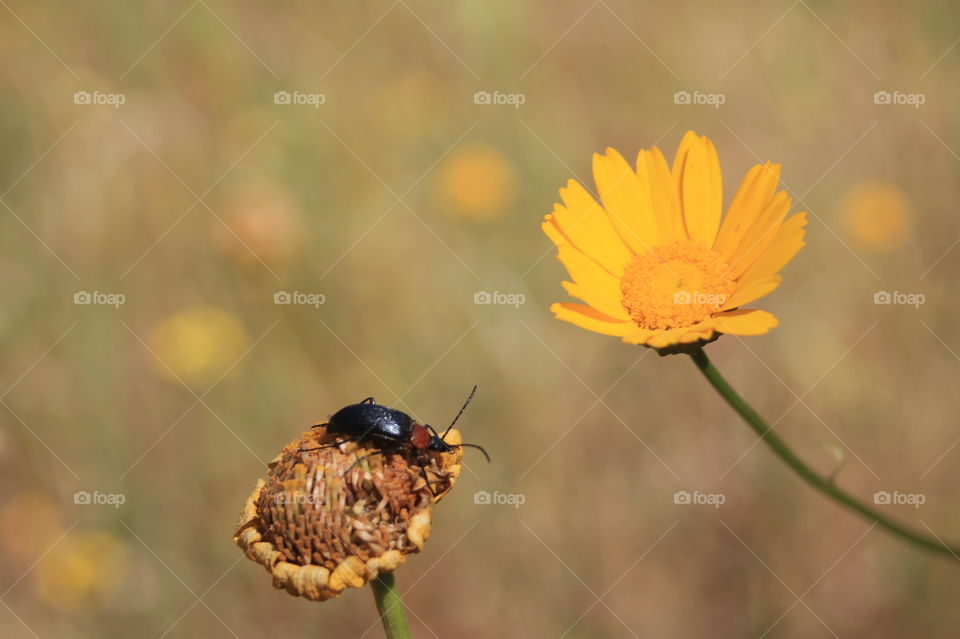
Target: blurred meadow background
point(172, 172)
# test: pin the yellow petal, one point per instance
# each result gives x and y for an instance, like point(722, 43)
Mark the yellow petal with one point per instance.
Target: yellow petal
point(553, 230)
point(746, 293)
point(603, 301)
point(751, 199)
point(638, 335)
point(689, 138)
point(593, 285)
point(787, 242)
point(626, 203)
point(700, 187)
point(587, 227)
point(745, 322)
point(662, 339)
point(654, 176)
point(681, 335)
point(760, 234)
point(591, 319)
point(704, 330)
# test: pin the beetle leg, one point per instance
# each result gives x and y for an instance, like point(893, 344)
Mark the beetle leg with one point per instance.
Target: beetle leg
point(423, 471)
point(368, 400)
point(385, 451)
point(304, 450)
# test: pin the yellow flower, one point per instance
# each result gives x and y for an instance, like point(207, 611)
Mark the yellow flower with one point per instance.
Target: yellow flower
point(877, 216)
point(477, 183)
point(197, 345)
point(87, 565)
point(654, 263)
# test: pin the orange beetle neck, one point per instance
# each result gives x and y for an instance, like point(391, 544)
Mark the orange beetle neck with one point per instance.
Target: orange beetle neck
point(420, 437)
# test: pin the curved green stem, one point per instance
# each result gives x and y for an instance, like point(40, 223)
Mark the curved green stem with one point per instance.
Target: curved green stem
point(390, 606)
point(822, 484)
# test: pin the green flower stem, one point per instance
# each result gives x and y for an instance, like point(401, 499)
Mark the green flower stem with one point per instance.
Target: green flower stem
point(390, 606)
point(823, 484)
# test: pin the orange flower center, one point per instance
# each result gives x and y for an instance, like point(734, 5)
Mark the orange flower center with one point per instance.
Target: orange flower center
point(675, 285)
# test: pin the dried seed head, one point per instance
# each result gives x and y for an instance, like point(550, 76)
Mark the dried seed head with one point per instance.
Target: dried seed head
point(335, 517)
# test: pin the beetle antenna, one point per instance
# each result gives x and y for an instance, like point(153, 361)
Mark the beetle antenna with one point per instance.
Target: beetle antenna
point(477, 446)
point(462, 408)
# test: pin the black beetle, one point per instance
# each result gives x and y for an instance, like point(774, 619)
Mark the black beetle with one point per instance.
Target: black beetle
point(392, 430)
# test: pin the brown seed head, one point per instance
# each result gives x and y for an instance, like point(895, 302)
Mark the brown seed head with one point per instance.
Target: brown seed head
point(335, 517)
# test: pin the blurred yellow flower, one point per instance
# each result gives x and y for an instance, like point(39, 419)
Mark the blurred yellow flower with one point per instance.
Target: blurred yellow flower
point(877, 216)
point(29, 523)
point(86, 565)
point(261, 222)
point(655, 265)
point(197, 344)
point(477, 182)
